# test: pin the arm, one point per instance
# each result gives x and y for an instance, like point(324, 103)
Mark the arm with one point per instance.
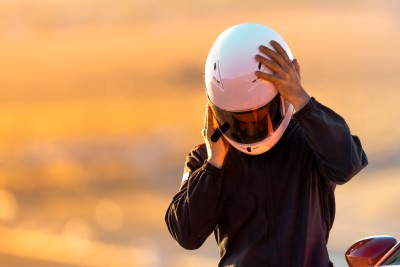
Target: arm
point(194, 211)
point(339, 154)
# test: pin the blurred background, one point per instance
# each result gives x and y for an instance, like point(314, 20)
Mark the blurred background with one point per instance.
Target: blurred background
point(101, 100)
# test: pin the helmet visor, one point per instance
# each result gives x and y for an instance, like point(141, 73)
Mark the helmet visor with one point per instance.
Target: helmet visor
point(252, 126)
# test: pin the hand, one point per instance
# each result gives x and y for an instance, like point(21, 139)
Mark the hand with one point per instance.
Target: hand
point(285, 74)
point(216, 151)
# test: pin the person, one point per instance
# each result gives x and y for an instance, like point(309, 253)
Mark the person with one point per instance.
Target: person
point(264, 185)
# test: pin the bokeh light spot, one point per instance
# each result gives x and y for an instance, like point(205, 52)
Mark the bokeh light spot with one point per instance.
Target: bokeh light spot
point(8, 206)
point(78, 234)
point(109, 215)
point(145, 252)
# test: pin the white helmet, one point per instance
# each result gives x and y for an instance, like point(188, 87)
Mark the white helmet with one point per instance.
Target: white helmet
point(254, 116)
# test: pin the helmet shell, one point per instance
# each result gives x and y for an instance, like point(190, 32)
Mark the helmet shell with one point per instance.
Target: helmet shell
point(231, 83)
point(230, 78)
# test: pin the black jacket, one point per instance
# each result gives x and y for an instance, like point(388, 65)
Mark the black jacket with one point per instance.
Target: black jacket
point(274, 209)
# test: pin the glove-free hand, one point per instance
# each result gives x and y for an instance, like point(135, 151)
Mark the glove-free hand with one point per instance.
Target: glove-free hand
point(216, 147)
point(285, 74)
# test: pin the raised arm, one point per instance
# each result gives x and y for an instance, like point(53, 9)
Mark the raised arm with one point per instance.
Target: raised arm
point(338, 153)
point(194, 211)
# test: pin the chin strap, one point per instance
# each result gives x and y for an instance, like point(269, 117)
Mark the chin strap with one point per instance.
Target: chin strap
point(219, 131)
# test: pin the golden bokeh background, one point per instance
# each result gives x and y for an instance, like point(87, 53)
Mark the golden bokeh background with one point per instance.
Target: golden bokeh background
point(100, 101)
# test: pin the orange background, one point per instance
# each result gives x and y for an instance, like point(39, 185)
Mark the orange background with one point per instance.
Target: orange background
point(100, 101)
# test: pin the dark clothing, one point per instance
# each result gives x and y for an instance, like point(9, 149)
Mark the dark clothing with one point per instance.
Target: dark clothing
point(273, 209)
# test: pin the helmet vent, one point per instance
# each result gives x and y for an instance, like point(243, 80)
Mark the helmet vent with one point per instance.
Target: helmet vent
point(259, 68)
point(215, 68)
point(216, 79)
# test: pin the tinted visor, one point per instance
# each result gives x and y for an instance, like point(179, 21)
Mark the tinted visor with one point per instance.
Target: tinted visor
point(248, 127)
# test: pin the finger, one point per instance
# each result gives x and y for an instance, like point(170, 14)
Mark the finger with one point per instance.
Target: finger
point(296, 66)
point(209, 128)
point(282, 52)
point(267, 76)
point(205, 118)
point(274, 56)
point(271, 65)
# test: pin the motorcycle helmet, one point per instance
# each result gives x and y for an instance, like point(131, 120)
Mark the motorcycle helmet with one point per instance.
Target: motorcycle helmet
point(250, 110)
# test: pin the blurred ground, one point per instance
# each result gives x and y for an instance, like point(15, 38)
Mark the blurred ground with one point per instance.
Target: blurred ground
point(100, 101)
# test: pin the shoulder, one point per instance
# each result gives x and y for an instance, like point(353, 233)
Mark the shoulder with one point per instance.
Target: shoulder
point(293, 131)
point(293, 140)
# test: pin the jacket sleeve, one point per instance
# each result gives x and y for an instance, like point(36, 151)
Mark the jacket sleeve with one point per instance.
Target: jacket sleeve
point(339, 154)
point(194, 211)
